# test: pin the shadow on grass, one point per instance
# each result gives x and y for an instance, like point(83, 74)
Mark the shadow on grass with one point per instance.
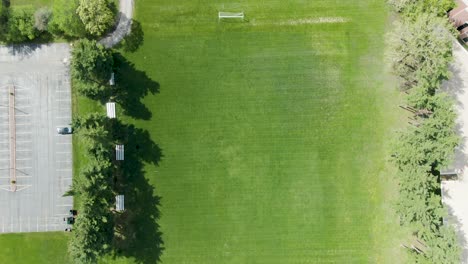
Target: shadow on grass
point(131, 87)
point(134, 40)
point(137, 231)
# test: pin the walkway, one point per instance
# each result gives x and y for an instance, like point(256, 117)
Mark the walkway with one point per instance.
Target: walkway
point(455, 193)
point(123, 27)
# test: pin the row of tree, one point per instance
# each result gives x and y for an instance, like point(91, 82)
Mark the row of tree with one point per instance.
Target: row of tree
point(421, 52)
point(93, 231)
point(67, 18)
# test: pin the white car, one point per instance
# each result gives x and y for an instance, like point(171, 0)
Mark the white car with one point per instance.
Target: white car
point(64, 130)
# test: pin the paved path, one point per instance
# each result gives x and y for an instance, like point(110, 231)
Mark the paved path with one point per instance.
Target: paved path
point(455, 193)
point(123, 27)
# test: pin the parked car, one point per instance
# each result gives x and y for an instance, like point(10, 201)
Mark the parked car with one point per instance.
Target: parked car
point(64, 130)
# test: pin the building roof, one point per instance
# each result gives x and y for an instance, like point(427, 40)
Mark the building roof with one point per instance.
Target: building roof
point(110, 107)
point(459, 15)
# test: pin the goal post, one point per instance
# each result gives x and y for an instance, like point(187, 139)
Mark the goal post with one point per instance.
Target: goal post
point(226, 15)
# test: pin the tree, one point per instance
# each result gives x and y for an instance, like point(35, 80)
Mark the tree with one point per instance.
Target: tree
point(91, 62)
point(96, 15)
point(433, 142)
point(93, 231)
point(412, 8)
point(91, 90)
point(42, 18)
point(421, 51)
point(65, 20)
point(20, 25)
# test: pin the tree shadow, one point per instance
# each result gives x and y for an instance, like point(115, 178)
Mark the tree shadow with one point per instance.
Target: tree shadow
point(134, 40)
point(137, 231)
point(131, 86)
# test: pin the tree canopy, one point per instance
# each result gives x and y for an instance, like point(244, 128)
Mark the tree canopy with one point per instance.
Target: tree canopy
point(412, 9)
point(420, 57)
point(91, 62)
point(20, 25)
point(96, 15)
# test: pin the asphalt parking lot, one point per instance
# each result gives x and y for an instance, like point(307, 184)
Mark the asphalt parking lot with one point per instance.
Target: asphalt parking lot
point(42, 157)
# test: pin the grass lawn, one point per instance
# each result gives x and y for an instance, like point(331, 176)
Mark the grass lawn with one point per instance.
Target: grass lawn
point(34, 248)
point(273, 135)
point(273, 132)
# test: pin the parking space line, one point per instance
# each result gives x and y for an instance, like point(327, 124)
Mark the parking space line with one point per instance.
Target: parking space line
point(23, 133)
point(64, 205)
point(22, 159)
point(63, 152)
point(63, 169)
point(63, 143)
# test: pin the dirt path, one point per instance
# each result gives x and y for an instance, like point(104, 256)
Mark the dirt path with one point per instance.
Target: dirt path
point(455, 193)
point(123, 27)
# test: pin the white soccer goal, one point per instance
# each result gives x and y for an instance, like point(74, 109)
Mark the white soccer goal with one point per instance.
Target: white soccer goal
point(222, 15)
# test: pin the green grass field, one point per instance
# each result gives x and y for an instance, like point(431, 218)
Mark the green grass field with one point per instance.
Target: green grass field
point(273, 135)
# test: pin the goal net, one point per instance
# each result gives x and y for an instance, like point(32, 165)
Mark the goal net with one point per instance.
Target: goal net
point(222, 15)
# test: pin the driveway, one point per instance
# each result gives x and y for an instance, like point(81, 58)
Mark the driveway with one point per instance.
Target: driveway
point(124, 25)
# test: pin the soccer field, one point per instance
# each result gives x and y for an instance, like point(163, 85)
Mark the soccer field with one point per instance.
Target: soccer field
point(273, 131)
point(274, 134)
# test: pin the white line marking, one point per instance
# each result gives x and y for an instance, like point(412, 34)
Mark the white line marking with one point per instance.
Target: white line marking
point(65, 205)
point(63, 143)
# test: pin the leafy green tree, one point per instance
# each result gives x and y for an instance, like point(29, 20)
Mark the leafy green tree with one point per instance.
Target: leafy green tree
point(93, 231)
point(91, 62)
point(42, 18)
point(20, 25)
point(421, 51)
point(65, 20)
point(97, 16)
point(412, 8)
